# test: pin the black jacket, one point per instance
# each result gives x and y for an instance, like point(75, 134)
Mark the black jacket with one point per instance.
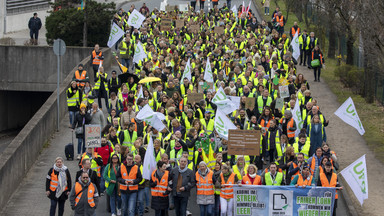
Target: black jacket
point(34, 23)
point(52, 195)
point(79, 119)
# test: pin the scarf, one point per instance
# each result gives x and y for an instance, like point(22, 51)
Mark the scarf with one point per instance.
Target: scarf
point(178, 148)
point(182, 170)
point(62, 179)
point(159, 173)
point(252, 175)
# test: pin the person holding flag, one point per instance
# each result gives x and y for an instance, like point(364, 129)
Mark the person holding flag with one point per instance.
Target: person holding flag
point(328, 178)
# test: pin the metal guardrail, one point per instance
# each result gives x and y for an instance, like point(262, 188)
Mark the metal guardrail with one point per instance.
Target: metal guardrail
point(22, 6)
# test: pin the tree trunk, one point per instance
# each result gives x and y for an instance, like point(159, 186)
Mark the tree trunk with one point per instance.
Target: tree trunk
point(369, 72)
point(85, 36)
point(350, 52)
point(305, 5)
point(298, 8)
point(332, 35)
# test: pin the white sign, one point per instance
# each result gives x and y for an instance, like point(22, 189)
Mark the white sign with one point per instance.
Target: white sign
point(92, 136)
point(223, 103)
point(347, 112)
point(296, 114)
point(183, 7)
point(187, 72)
point(115, 35)
point(139, 53)
point(208, 76)
point(295, 46)
point(223, 124)
point(284, 91)
point(135, 19)
point(357, 178)
point(149, 160)
point(162, 6)
point(152, 118)
point(235, 100)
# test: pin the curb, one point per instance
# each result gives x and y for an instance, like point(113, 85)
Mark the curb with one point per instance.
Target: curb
point(348, 201)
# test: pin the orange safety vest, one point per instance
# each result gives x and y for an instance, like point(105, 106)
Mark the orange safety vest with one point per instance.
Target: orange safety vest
point(326, 183)
point(80, 77)
point(54, 182)
point(205, 186)
point(297, 173)
point(91, 192)
point(256, 181)
point(290, 133)
point(321, 57)
point(265, 125)
point(128, 177)
point(280, 20)
point(96, 61)
point(294, 31)
point(302, 182)
point(161, 187)
point(227, 191)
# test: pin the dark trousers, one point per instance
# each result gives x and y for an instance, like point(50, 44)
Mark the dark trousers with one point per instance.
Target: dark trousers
point(193, 5)
point(181, 205)
point(309, 57)
point(34, 32)
point(95, 68)
point(303, 57)
point(316, 72)
point(52, 210)
point(202, 5)
point(162, 212)
point(271, 155)
point(102, 94)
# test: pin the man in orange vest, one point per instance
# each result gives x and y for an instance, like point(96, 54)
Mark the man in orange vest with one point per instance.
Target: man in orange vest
point(279, 22)
point(304, 179)
point(295, 28)
point(328, 178)
point(288, 126)
point(84, 196)
point(97, 58)
point(129, 177)
point(81, 76)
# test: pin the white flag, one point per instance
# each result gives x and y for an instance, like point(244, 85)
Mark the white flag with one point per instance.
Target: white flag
point(295, 46)
point(208, 76)
point(149, 160)
point(296, 114)
point(115, 35)
point(223, 103)
point(141, 94)
point(223, 124)
point(356, 177)
point(135, 19)
point(152, 118)
point(235, 100)
point(187, 72)
point(347, 112)
point(139, 53)
point(234, 10)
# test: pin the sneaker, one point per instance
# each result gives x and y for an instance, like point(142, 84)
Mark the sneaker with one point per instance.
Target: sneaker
point(268, 14)
point(146, 209)
point(101, 194)
point(265, 14)
point(114, 214)
point(189, 213)
point(119, 212)
point(78, 157)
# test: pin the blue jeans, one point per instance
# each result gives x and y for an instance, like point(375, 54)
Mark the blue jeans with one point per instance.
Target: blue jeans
point(266, 10)
point(147, 196)
point(80, 146)
point(217, 205)
point(71, 117)
point(52, 210)
point(229, 4)
point(140, 202)
point(206, 210)
point(125, 62)
point(128, 203)
point(102, 181)
point(114, 198)
point(180, 205)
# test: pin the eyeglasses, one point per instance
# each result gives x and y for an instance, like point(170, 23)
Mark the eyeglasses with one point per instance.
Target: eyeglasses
point(85, 177)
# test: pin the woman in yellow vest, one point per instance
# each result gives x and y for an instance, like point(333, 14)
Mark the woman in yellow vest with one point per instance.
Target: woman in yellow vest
point(225, 182)
point(240, 168)
point(110, 172)
point(58, 185)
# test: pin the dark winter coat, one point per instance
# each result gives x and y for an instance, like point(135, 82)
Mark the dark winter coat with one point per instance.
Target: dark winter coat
point(52, 195)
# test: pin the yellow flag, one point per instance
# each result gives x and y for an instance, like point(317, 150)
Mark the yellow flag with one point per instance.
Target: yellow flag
point(122, 67)
point(211, 158)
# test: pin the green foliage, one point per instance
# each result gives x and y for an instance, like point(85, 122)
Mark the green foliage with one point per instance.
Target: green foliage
point(351, 76)
point(67, 24)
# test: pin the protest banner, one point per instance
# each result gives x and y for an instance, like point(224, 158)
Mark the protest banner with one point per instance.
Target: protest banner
point(166, 24)
point(179, 23)
point(287, 200)
point(205, 87)
point(279, 103)
point(284, 91)
point(170, 8)
point(195, 97)
point(250, 103)
point(183, 7)
point(195, 27)
point(244, 142)
point(92, 136)
point(219, 30)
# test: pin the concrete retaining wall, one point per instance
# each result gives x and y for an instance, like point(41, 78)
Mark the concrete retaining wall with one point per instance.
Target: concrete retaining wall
point(26, 68)
point(21, 154)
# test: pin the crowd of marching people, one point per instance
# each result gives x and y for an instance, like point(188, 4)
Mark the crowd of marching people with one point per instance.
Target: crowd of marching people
point(250, 59)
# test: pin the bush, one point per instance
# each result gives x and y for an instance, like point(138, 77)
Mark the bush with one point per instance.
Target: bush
point(352, 77)
point(67, 24)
